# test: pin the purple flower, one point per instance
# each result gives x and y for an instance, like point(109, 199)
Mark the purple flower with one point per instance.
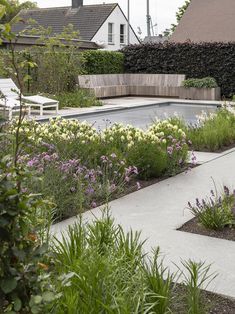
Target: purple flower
point(113, 187)
point(90, 190)
point(104, 159)
point(47, 157)
point(170, 150)
point(135, 170)
point(93, 204)
point(127, 179)
point(113, 155)
point(178, 146)
point(190, 205)
point(226, 190)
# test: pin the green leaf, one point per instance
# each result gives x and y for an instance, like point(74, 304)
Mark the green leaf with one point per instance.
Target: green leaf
point(8, 285)
point(17, 305)
point(35, 309)
point(37, 299)
point(2, 11)
point(48, 296)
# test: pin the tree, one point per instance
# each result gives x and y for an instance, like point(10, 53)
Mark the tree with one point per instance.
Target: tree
point(13, 7)
point(179, 14)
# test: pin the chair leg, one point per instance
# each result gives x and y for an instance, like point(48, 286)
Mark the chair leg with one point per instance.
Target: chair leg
point(41, 110)
point(57, 108)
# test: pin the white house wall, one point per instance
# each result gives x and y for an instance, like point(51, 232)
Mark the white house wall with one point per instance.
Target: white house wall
point(117, 18)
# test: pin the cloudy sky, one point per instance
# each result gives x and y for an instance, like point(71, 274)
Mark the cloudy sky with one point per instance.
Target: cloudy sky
point(162, 11)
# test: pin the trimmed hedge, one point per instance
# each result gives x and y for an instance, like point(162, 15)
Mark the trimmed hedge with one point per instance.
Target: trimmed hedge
point(103, 62)
point(216, 60)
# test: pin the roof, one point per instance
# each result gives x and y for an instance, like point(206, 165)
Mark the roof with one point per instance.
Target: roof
point(207, 21)
point(28, 40)
point(155, 39)
point(87, 18)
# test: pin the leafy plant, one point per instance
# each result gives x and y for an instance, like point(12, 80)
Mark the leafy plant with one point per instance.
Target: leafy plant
point(159, 283)
point(196, 277)
point(215, 212)
point(179, 14)
point(100, 268)
point(24, 280)
point(206, 82)
point(79, 98)
point(13, 7)
point(111, 281)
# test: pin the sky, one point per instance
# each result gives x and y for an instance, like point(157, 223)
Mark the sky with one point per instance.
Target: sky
point(162, 11)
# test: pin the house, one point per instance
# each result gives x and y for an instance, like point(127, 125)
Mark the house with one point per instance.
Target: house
point(207, 21)
point(103, 24)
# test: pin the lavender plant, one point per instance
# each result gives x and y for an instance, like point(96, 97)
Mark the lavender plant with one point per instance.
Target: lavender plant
point(215, 212)
point(73, 186)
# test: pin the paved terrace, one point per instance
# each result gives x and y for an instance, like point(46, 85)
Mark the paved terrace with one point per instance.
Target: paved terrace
point(160, 209)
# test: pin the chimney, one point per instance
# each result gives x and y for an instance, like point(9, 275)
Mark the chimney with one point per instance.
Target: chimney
point(77, 3)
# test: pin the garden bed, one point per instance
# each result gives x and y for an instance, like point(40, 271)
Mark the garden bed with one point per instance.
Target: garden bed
point(221, 305)
point(220, 150)
point(214, 303)
point(193, 226)
point(81, 168)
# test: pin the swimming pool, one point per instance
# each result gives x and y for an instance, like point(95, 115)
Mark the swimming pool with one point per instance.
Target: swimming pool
point(143, 116)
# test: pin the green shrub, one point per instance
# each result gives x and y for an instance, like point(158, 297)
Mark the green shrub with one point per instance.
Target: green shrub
point(79, 98)
point(102, 62)
point(25, 285)
point(206, 82)
point(150, 159)
point(215, 212)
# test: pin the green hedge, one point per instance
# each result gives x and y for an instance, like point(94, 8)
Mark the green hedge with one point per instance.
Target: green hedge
point(215, 60)
point(206, 82)
point(103, 62)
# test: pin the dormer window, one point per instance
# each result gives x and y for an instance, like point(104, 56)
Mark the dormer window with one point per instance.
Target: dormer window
point(110, 33)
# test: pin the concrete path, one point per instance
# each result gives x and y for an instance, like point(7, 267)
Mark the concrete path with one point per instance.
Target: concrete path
point(203, 157)
point(160, 209)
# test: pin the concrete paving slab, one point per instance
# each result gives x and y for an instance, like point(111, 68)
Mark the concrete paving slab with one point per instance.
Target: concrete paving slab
point(202, 157)
point(160, 209)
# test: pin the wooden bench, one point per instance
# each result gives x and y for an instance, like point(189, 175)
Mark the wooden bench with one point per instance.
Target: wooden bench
point(116, 85)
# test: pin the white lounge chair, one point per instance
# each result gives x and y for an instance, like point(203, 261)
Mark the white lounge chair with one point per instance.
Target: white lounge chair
point(10, 105)
point(11, 92)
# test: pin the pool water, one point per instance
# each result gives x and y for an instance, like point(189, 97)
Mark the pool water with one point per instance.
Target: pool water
point(143, 116)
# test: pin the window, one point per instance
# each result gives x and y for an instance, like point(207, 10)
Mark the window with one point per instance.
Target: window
point(110, 33)
point(122, 33)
